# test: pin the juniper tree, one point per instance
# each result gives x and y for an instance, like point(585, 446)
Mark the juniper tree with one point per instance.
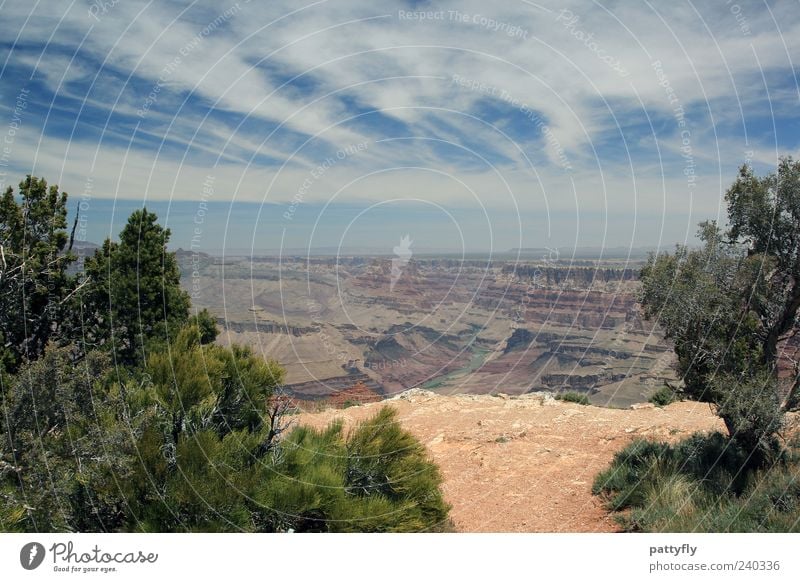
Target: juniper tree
point(729, 305)
point(34, 258)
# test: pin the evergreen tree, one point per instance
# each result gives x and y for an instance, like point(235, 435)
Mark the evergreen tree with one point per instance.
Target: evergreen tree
point(204, 437)
point(728, 305)
point(63, 450)
point(33, 270)
point(207, 325)
point(133, 293)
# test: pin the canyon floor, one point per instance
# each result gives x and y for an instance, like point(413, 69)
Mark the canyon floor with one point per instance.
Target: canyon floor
point(525, 463)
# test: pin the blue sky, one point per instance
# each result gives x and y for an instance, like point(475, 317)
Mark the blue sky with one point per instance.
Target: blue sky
point(466, 125)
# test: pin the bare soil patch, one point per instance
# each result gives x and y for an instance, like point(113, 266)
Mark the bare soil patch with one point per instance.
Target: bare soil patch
point(525, 463)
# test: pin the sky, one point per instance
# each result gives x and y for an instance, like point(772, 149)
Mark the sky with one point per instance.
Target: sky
point(468, 126)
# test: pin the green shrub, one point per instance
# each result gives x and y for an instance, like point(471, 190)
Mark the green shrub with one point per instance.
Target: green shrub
point(622, 482)
point(702, 484)
point(189, 442)
point(377, 478)
point(575, 397)
point(60, 453)
point(664, 396)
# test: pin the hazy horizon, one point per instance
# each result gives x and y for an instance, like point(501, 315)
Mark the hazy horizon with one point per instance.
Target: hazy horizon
point(251, 228)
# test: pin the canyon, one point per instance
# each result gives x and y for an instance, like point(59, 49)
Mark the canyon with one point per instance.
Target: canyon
point(354, 329)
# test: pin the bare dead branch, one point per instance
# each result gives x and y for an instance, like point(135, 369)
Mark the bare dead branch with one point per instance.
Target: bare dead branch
point(78, 288)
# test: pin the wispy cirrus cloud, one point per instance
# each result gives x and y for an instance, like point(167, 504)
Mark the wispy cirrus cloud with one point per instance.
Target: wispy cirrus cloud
point(536, 107)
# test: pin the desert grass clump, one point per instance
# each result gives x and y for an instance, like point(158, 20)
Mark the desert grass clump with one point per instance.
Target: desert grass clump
point(701, 484)
point(575, 397)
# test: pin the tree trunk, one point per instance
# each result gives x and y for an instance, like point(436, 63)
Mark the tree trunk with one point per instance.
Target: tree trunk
point(780, 328)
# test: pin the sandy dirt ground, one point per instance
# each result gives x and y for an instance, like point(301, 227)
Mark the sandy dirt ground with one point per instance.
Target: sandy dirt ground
point(525, 463)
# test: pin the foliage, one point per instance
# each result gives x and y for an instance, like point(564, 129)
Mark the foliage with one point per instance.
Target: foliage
point(133, 293)
point(752, 413)
point(575, 397)
point(180, 434)
point(202, 411)
point(378, 478)
point(196, 440)
point(700, 485)
point(33, 270)
point(728, 305)
point(128, 295)
point(63, 453)
point(691, 295)
point(207, 325)
point(664, 396)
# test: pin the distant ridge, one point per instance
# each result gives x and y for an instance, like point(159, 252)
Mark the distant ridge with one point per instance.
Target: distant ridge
point(556, 253)
point(528, 253)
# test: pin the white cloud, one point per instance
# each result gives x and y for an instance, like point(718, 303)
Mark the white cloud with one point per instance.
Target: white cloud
point(350, 56)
